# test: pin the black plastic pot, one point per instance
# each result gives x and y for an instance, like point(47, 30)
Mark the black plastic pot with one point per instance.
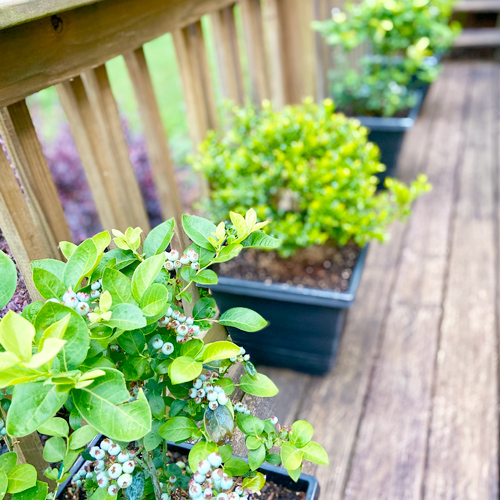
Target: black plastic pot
point(305, 324)
point(388, 134)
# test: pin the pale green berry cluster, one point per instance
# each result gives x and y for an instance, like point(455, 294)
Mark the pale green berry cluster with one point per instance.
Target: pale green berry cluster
point(81, 302)
point(206, 391)
point(183, 325)
point(176, 261)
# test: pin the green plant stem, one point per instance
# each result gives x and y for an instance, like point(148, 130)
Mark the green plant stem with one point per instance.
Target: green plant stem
point(153, 473)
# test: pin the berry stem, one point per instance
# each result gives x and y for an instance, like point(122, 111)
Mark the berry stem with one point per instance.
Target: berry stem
point(153, 473)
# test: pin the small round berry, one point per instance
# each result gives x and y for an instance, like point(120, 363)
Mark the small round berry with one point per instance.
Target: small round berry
point(169, 265)
point(274, 420)
point(157, 343)
point(198, 383)
point(189, 321)
point(222, 496)
point(226, 482)
point(233, 360)
point(201, 393)
point(83, 297)
point(71, 302)
point(218, 389)
point(194, 257)
point(198, 477)
point(174, 324)
point(124, 481)
point(113, 490)
point(176, 314)
point(3, 432)
point(174, 255)
point(89, 475)
point(115, 471)
point(215, 460)
point(222, 399)
point(184, 259)
point(196, 330)
point(114, 449)
point(197, 400)
point(165, 496)
point(99, 454)
point(212, 396)
point(167, 348)
point(99, 465)
point(95, 285)
point(82, 308)
point(192, 393)
point(78, 483)
point(169, 312)
point(95, 294)
point(164, 321)
point(105, 444)
point(246, 357)
point(233, 496)
point(242, 351)
point(122, 456)
point(208, 494)
point(195, 490)
point(182, 330)
point(239, 490)
point(100, 474)
point(68, 295)
point(182, 318)
point(177, 264)
point(204, 467)
point(102, 482)
point(209, 387)
point(129, 466)
point(172, 479)
point(195, 266)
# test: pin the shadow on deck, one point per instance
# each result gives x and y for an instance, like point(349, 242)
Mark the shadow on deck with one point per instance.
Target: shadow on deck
point(410, 410)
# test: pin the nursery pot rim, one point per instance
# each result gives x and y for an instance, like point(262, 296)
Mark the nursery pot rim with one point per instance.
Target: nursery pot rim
point(291, 293)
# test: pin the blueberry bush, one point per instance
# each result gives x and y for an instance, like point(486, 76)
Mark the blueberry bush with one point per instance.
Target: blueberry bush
point(308, 170)
point(117, 344)
point(403, 39)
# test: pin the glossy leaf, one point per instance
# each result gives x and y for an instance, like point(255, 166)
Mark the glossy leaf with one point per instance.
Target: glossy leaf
point(255, 483)
point(243, 319)
point(199, 452)
point(184, 369)
point(291, 456)
point(56, 426)
point(49, 285)
point(177, 429)
point(145, 274)
point(54, 449)
point(126, 317)
point(220, 350)
point(154, 300)
point(82, 437)
point(118, 286)
point(21, 477)
point(264, 387)
point(80, 263)
point(236, 466)
point(199, 229)
point(8, 278)
point(38, 492)
point(219, 424)
point(158, 238)
point(302, 433)
point(315, 453)
point(16, 335)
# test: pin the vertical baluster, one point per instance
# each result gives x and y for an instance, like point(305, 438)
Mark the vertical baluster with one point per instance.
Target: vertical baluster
point(27, 157)
point(228, 56)
point(251, 14)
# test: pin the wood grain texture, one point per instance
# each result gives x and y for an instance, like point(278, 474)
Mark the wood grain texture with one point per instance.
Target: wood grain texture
point(38, 54)
point(227, 54)
point(253, 31)
point(26, 154)
point(463, 444)
point(19, 229)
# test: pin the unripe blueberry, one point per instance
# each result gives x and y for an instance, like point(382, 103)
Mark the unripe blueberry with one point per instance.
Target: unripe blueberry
point(246, 357)
point(247, 412)
point(177, 264)
point(198, 477)
point(83, 297)
point(100, 474)
point(182, 318)
point(165, 496)
point(192, 393)
point(103, 482)
point(208, 494)
point(99, 465)
point(122, 456)
point(89, 475)
point(204, 467)
point(184, 259)
point(242, 351)
point(226, 482)
point(82, 308)
point(209, 387)
point(194, 257)
point(238, 490)
point(95, 285)
point(198, 383)
point(3, 432)
point(124, 481)
point(174, 255)
point(233, 360)
point(78, 482)
point(212, 396)
point(195, 490)
point(2, 424)
point(215, 460)
point(115, 471)
point(218, 389)
point(222, 496)
point(196, 330)
point(201, 393)
point(129, 466)
point(95, 294)
point(174, 324)
point(157, 343)
point(113, 490)
point(167, 348)
point(195, 266)
point(169, 312)
point(182, 330)
point(114, 449)
point(68, 295)
point(71, 302)
point(233, 496)
point(172, 479)
point(164, 321)
point(197, 400)
point(189, 321)
point(169, 265)
point(222, 399)
point(176, 313)
point(105, 444)
point(99, 454)
point(274, 420)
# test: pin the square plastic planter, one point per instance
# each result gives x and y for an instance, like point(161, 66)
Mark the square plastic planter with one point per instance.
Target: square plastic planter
point(305, 324)
point(388, 134)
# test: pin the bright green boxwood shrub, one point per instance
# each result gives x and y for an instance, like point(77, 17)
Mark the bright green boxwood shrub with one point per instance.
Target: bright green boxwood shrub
point(309, 171)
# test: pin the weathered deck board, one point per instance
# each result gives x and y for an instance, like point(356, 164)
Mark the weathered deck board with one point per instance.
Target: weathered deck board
point(463, 446)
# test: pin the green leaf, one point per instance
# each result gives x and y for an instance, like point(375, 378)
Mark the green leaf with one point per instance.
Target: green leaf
point(220, 350)
point(104, 404)
point(31, 310)
point(199, 452)
point(132, 342)
point(255, 483)
point(295, 474)
point(145, 274)
point(8, 461)
point(225, 452)
point(236, 466)
point(244, 319)
point(228, 252)
point(126, 317)
point(291, 456)
point(302, 433)
point(16, 335)
point(82, 437)
point(32, 405)
point(219, 424)
point(76, 334)
point(256, 457)
point(67, 248)
point(55, 426)
point(258, 239)
point(55, 331)
point(239, 223)
point(70, 459)
point(192, 348)
point(206, 277)
point(315, 453)
point(4, 484)
point(8, 279)
point(227, 384)
point(204, 308)
point(38, 492)
point(253, 442)
point(178, 429)
point(199, 229)
point(273, 458)
point(154, 300)
point(158, 239)
point(54, 449)
point(53, 266)
point(80, 263)
point(152, 439)
point(184, 369)
point(118, 286)
point(51, 349)
point(263, 388)
point(249, 424)
point(21, 477)
point(101, 241)
point(49, 285)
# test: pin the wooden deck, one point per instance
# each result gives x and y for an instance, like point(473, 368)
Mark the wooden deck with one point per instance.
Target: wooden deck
point(410, 410)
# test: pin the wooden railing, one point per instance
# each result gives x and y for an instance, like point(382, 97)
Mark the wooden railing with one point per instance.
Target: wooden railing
point(66, 43)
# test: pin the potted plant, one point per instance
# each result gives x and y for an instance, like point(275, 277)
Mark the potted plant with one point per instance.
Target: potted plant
point(311, 173)
point(117, 344)
point(404, 41)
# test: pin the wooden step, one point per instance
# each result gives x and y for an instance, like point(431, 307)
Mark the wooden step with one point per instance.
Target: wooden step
point(478, 37)
point(477, 6)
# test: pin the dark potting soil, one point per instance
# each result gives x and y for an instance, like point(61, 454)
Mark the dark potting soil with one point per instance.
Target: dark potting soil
point(323, 267)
